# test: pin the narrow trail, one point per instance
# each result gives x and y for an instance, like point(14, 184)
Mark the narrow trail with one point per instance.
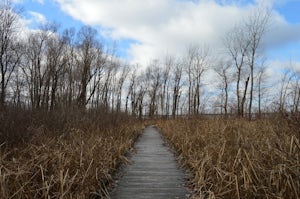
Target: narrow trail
point(154, 172)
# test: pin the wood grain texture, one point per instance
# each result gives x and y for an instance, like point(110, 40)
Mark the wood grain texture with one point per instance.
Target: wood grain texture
point(154, 172)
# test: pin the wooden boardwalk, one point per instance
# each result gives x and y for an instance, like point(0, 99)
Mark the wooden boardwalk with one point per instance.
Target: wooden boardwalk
point(154, 172)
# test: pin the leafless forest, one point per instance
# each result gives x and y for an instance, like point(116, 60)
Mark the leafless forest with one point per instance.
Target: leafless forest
point(70, 110)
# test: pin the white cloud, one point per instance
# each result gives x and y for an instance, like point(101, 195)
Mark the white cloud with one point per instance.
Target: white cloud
point(271, 3)
point(37, 17)
point(23, 1)
point(170, 26)
point(17, 1)
point(281, 32)
point(290, 65)
point(40, 1)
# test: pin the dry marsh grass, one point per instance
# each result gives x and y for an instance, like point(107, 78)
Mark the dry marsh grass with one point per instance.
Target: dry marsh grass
point(76, 163)
point(238, 158)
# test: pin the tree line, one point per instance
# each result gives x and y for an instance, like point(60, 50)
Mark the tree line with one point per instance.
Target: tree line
point(51, 69)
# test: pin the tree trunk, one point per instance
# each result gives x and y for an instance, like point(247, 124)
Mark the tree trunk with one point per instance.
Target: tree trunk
point(226, 97)
point(252, 82)
point(244, 97)
point(238, 93)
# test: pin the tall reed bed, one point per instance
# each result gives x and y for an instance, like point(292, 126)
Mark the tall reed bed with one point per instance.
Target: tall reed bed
point(238, 158)
point(77, 162)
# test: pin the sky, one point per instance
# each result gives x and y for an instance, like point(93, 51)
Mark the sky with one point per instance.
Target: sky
point(149, 29)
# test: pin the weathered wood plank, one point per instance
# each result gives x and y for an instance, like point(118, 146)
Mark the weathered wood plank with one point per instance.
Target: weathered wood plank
point(154, 172)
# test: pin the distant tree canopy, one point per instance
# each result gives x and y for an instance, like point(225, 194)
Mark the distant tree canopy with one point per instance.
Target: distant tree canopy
point(53, 69)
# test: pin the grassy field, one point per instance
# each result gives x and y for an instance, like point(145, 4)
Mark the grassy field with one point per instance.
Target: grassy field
point(56, 156)
point(74, 155)
point(236, 158)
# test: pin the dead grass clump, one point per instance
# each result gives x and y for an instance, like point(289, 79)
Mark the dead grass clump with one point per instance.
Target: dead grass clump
point(75, 164)
point(238, 158)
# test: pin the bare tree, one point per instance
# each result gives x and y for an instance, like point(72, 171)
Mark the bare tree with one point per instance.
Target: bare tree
point(284, 90)
point(164, 104)
point(197, 62)
point(131, 92)
point(244, 43)
point(255, 27)
point(35, 68)
point(68, 76)
point(56, 61)
point(177, 84)
point(296, 93)
point(110, 70)
point(9, 47)
point(153, 77)
point(122, 78)
point(142, 90)
point(261, 78)
point(293, 91)
point(138, 89)
point(89, 49)
point(237, 44)
point(188, 65)
point(223, 71)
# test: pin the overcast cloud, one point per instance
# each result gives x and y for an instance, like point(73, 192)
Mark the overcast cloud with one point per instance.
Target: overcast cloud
point(169, 26)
